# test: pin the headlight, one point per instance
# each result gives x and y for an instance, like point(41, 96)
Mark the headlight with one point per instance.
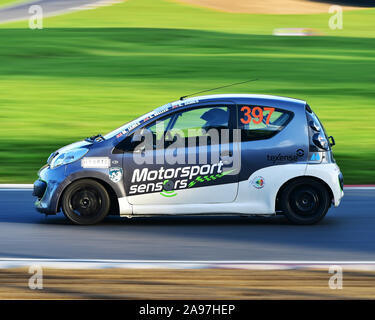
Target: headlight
point(68, 157)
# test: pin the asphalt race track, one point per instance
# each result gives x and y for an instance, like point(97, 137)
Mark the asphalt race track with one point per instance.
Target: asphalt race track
point(50, 7)
point(346, 234)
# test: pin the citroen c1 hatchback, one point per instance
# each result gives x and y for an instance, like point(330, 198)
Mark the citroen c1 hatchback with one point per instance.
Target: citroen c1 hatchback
point(232, 154)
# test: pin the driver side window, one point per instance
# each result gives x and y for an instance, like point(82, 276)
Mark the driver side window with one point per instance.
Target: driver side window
point(159, 127)
point(191, 124)
point(194, 122)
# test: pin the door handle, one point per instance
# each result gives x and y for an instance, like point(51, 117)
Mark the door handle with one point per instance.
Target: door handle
point(140, 150)
point(226, 159)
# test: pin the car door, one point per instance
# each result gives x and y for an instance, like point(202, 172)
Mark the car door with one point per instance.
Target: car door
point(189, 166)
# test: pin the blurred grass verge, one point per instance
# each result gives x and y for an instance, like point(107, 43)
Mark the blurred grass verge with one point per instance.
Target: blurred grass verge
point(59, 85)
point(172, 14)
point(7, 2)
point(233, 284)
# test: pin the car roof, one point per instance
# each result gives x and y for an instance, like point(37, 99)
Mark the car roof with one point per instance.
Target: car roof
point(254, 99)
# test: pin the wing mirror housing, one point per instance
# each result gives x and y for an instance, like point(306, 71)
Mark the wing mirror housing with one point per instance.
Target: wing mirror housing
point(331, 141)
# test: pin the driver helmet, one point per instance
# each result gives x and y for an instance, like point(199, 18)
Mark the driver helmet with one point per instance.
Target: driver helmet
point(215, 118)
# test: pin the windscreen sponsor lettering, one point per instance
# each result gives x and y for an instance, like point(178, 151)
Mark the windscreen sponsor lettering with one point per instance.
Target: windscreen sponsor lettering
point(143, 120)
point(186, 102)
point(156, 113)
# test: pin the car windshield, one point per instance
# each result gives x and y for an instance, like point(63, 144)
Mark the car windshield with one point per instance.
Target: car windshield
point(136, 122)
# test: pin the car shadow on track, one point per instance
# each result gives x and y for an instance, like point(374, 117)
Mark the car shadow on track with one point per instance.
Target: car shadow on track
point(114, 221)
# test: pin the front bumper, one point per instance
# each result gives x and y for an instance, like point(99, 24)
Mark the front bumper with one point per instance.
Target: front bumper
point(48, 189)
point(39, 188)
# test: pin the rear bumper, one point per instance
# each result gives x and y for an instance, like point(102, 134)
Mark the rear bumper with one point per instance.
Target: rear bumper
point(341, 181)
point(330, 173)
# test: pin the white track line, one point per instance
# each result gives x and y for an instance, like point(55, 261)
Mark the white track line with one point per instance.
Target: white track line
point(89, 6)
point(183, 264)
point(94, 5)
point(23, 187)
point(16, 186)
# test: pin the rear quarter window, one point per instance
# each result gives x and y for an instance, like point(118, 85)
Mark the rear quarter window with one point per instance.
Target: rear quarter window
point(260, 122)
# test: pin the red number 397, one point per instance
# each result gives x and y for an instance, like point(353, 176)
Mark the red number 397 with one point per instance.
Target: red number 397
point(256, 114)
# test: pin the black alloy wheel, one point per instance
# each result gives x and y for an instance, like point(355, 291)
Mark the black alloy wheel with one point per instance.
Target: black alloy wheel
point(305, 201)
point(85, 202)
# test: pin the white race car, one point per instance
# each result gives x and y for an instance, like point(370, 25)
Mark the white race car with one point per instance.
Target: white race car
point(217, 154)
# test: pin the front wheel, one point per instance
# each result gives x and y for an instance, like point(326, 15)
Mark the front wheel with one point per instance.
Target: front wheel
point(305, 201)
point(85, 202)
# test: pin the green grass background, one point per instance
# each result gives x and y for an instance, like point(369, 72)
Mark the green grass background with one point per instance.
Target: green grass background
point(4, 2)
point(91, 71)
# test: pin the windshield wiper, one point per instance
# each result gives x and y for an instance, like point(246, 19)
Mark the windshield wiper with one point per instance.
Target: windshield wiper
point(96, 138)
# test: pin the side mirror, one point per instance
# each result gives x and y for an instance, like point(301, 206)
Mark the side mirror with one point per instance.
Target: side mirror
point(331, 141)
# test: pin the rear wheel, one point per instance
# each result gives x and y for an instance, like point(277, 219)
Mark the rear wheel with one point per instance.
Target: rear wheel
point(305, 201)
point(85, 202)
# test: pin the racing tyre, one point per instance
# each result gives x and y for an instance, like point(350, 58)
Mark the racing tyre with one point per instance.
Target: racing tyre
point(85, 202)
point(305, 201)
